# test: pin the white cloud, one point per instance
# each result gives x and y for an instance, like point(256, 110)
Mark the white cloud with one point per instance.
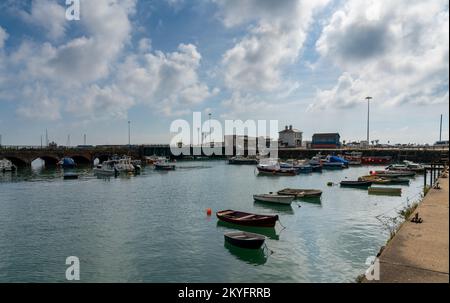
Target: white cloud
point(167, 82)
point(145, 45)
point(395, 51)
point(92, 76)
point(49, 16)
point(39, 104)
point(3, 36)
point(277, 32)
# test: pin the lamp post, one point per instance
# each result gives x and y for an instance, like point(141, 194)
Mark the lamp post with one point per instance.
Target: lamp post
point(368, 116)
point(129, 133)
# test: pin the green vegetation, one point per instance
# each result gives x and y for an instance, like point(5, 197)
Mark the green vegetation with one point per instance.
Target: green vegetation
point(426, 189)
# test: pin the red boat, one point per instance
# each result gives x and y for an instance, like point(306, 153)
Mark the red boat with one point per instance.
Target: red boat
point(376, 160)
point(247, 219)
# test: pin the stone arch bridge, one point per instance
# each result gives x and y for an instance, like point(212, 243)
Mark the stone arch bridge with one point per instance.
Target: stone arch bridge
point(23, 156)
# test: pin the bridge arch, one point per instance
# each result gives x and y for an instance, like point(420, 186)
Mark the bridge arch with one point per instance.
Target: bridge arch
point(48, 160)
point(19, 162)
point(81, 160)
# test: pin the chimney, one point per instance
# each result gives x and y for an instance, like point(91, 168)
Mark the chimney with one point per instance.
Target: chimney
point(290, 127)
point(286, 128)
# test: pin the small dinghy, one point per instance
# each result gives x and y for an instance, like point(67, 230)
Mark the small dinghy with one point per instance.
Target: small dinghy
point(164, 166)
point(363, 184)
point(272, 198)
point(247, 219)
point(301, 193)
point(245, 239)
point(394, 173)
point(390, 191)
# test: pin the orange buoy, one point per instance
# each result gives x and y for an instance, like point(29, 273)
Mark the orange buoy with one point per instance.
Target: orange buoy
point(209, 211)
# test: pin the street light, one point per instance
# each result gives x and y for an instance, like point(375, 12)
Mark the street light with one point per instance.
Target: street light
point(129, 133)
point(368, 116)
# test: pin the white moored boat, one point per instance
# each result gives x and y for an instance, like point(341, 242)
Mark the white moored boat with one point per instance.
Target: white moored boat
point(107, 168)
point(6, 166)
point(124, 165)
point(273, 198)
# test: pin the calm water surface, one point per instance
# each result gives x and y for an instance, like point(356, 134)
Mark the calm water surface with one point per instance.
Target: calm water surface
point(153, 227)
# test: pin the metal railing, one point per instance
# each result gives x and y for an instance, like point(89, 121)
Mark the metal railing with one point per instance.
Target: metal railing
point(432, 173)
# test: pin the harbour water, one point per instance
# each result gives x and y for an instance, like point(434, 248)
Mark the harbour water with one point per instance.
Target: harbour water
point(153, 227)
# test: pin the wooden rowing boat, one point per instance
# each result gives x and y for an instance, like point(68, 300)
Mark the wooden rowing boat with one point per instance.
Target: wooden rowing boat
point(247, 219)
point(245, 239)
point(364, 184)
point(385, 191)
point(300, 193)
point(272, 198)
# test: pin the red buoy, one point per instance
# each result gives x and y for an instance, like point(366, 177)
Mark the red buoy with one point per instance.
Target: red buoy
point(209, 211)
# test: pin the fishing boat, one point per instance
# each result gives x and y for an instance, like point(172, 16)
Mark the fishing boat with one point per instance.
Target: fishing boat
point(333, 165)
point(164, 165)
point(375, 179)
point(151, 160)
point(247, 219)
point(415, 167)
point(67, 162)
point(301, 193)
point(7, 166)
point(271, 167)
point(137, 164)
point(243, 161)
point(123, 164)
point(273, 198)
point(245, 239)
point(277, 172)
point(353, 158)
point(359, 184)
point(304, 169)
point(316, 168)
point(107, 168)
point(394, 173)
point(385, 191)
point(329, 160)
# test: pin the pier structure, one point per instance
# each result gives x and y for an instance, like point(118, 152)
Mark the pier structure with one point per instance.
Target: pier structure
point(419, 252)
point(25, 155)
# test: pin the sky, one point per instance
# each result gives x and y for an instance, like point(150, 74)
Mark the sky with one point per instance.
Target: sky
point(309, 64)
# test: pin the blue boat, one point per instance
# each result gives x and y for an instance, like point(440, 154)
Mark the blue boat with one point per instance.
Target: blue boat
point(335, 162)
point(67, 163)
point(304, 169)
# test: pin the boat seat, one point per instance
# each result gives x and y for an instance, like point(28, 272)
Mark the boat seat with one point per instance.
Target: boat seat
point(246, 217)
point(227, 212)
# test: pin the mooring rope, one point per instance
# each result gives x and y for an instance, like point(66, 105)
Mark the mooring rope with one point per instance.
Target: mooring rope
point(284, 227)
point(266, 248)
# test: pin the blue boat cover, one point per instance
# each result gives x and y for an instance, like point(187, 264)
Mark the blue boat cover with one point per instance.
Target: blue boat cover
point(338, 159)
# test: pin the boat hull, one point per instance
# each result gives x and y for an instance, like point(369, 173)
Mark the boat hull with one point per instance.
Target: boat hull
point(281, 199)
point(277, 172)
point(164, 167)
point(301, 193)
point(385, 191)
point(247, 219)
point(357, 184)
point(243, 161)
point(245, 240)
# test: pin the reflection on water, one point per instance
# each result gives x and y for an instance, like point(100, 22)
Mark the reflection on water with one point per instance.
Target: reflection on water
point(275, 208)
point(250, 256)
point(152, 227)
